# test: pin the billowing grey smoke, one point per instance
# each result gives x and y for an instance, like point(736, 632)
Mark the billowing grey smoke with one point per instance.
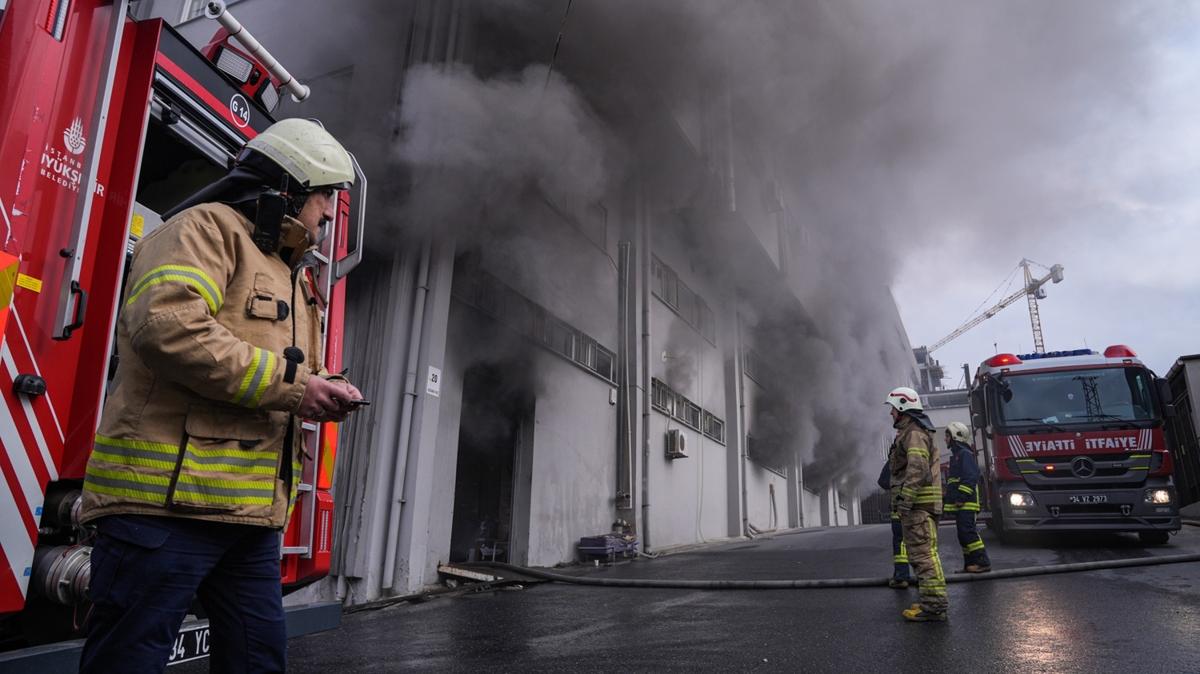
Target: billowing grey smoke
point(488, 146)
point(882, 125)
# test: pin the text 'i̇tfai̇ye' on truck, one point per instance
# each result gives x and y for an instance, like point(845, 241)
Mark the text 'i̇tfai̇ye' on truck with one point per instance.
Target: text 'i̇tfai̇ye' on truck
point(106, 122)
point(1074, 441)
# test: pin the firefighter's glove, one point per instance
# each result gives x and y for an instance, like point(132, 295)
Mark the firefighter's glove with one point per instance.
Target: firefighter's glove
point(326, 400)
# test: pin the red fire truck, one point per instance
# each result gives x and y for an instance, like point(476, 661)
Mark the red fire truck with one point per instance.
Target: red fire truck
point(106, 122)
point(1073, 441)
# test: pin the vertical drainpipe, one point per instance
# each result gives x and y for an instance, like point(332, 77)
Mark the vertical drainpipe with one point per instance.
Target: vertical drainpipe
point(404, 444)
point(644, 223)
point(800, 489)
point(730, 175)
point(741, 406)
point(628, 335)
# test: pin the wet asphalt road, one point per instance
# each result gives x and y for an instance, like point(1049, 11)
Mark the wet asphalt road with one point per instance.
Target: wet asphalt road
point(1137, 619)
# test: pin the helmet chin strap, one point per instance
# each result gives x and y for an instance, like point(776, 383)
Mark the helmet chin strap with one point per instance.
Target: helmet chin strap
point(294, 241)
point(322, 232)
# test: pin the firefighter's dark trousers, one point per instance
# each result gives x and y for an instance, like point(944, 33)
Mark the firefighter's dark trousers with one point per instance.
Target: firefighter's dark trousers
point(920, 536)
point(145, 571)
point(899, 550)
point(968, 537)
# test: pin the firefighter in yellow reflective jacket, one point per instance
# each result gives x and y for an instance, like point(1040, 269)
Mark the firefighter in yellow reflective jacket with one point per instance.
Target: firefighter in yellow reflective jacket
point(196, 462)
point(962, 497)
point(917, 495)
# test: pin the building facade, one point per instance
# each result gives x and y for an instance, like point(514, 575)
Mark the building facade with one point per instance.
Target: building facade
point(550, 362)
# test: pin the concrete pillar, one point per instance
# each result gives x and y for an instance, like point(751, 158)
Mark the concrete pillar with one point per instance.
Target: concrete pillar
point(414, 568)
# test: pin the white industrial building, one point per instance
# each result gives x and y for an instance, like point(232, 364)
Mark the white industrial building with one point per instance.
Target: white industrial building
point(557, 367)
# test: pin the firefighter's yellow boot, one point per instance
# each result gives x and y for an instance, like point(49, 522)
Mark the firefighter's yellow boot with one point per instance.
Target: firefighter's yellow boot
point(916, 614)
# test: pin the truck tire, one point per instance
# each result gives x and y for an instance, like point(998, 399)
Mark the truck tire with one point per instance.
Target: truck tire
point(996, 524)
point(1154, 537)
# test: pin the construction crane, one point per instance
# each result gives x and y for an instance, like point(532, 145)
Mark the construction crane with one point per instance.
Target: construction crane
point(1033, 291)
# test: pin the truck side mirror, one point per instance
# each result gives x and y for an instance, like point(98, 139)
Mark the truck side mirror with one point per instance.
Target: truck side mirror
point(977, 421)
point(1166, 397)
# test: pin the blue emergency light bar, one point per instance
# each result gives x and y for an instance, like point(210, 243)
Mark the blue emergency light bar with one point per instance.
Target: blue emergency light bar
point(1056, 354)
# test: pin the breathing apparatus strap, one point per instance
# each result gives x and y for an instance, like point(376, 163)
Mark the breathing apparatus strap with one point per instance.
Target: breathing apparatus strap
point(268, 220)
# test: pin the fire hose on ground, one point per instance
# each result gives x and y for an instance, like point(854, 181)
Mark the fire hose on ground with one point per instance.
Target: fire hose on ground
point(825, 583)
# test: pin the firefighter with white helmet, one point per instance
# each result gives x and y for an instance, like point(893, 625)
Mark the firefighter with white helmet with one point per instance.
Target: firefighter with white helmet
point(962, 497)
point(917, 496)
point(195, 466)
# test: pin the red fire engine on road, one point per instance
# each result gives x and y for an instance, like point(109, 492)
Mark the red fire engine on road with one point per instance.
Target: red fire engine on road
point(108, 122)
point(1073, 441)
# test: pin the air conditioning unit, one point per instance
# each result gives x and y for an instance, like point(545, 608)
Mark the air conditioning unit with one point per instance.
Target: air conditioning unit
point(676, 444)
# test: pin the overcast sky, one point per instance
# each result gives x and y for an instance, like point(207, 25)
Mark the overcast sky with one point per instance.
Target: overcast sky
point(1117, 203)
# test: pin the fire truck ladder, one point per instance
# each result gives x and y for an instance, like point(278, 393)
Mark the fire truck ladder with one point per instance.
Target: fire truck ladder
point(1032, 291)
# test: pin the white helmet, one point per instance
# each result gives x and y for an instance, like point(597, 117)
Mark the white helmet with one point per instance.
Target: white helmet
point(306, 151)
point(959, 431)
point(903, 399)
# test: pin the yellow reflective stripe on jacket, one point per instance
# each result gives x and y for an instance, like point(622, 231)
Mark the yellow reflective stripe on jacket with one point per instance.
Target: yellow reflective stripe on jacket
point(220, 491)
point(145, 445)
point(919, 451)
point(966, 490)
point(163, 456)
point(123, 480)
point(227, 461)
point(127, 484)
point(931, 494)
point(135, 453)
point(257, 378)
point(192, 276)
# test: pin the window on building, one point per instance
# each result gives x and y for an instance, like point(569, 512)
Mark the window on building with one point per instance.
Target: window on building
point(667, 284)
point(492, 297)
point(561, 337)
point(687, 304)
point(525, 316)
point(766, 454)
point(692, 308)
point(688, 412)
point(585, 354)
point(752, 364)
point(605, 361)
point(706, 322)
point(662, 397)
point(679, 407)
point(192, 9)
point(714, 427)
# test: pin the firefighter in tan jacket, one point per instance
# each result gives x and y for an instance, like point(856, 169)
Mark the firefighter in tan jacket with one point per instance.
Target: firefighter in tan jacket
point(196, 462)
point(916, 490)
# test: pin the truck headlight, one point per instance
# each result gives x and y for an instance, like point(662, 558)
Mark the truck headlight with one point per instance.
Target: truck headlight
point(1158, 496)
point(1020, 499)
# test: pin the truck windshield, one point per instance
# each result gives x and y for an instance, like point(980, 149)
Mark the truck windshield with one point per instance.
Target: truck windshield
point(1077, 396)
